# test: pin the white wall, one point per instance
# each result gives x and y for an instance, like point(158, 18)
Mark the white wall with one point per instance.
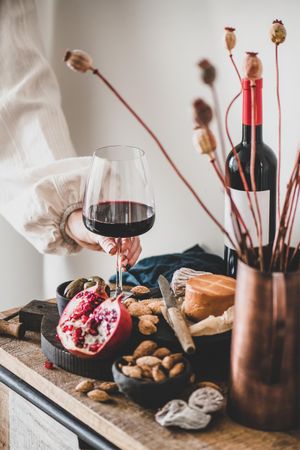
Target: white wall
point(148, 50)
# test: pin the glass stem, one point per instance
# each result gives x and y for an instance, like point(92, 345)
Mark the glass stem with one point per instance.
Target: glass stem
point(119, 268)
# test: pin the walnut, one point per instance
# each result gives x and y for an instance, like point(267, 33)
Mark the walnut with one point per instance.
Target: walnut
point(85, 386)
point(156, 307)
point(151, 317)
point(145, 348)
point(99, 396)
point(129, 301)
point(158, 374)
point(132, 371)
point(137, 309)
point(169, 361)
point(162, 352)
point(147, 327)
point(139, 291)
point(178, 413)
point(176, 370)
point(148, 361)
point(207, 399)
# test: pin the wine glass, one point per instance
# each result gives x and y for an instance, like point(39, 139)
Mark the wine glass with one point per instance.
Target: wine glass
point(118, 200)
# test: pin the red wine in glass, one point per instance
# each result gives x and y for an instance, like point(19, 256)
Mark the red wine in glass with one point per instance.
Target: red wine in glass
point(118, 200)
point(120, 218)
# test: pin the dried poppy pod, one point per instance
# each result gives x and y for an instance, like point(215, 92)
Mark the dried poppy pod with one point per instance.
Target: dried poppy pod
point(204, 141)
point(253, 66)
point(208, 71)
point(78, 60)
point(278, 32)
point(230, 38)
point(202, 112)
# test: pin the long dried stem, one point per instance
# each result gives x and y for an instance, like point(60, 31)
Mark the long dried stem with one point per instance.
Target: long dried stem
point(155, 138)
point(252, 172)
point(234, 208)
point(280, 231)
point(279, 131)
point(219, 121)
point(235, 67)
point(295, 206)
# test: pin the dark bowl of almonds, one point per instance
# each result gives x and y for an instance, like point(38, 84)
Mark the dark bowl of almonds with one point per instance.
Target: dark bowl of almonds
point(152, 375)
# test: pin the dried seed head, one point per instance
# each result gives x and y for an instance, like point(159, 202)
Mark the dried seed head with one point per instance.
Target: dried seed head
point(230, 38)
point(253, 66)
point(78, 60)
point(202, 112)
point(278, 32)
point(204, 141)
point(208, 71)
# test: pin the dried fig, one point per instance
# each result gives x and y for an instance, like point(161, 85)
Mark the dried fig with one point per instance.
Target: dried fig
point(147, 327)
point(162, 352)
point(85, 386)
point(176, 370)
point(150, 361)
point(178, 413)
point(207, 399)
point(145, 348)
point(132, 371)
point(158, 374)
point(137, 309)
point(74, 287)
point(99, 396)
point(169, 361)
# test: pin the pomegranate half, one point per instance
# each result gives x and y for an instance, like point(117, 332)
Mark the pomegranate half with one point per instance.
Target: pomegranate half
point(93, 325)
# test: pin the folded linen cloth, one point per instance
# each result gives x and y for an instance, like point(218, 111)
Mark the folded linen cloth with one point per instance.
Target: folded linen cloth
point(147, 270)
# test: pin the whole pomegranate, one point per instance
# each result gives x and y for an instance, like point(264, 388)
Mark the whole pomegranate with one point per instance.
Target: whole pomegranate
point(94, 325)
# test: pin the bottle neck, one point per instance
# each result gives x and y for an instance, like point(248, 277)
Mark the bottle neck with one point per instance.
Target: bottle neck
point(247, 110)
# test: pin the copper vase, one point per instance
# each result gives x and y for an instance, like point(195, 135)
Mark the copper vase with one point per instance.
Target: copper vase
point(264, 388)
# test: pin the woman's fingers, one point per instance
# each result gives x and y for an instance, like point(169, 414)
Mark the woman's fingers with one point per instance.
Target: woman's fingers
point(134, 251)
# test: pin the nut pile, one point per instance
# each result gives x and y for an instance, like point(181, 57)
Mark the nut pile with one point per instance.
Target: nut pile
point(99, 392)
point(152, 363)
point(147, 311)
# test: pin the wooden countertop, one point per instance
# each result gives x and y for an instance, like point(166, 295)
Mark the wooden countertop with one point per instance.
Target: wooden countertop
point(125, 424)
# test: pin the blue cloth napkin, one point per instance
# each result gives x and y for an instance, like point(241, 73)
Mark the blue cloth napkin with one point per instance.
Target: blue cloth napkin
point(147, 270)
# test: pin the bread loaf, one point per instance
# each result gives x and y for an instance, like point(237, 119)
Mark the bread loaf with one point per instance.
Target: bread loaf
point(208, 295)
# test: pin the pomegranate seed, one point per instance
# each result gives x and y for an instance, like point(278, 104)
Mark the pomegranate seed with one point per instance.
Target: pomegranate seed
point(84, 318)
point(94, 347)
point(48, 365)
point(93, 332)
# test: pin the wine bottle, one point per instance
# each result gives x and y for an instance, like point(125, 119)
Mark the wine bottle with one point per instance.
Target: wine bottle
point(265, 178)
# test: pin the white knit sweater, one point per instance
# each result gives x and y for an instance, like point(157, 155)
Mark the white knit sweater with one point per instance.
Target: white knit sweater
point(41, 179)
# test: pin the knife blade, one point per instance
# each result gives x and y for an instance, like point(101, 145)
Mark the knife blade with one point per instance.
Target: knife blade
point(175, 316)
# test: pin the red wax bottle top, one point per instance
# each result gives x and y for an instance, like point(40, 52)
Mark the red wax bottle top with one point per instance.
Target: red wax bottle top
point(246, 85)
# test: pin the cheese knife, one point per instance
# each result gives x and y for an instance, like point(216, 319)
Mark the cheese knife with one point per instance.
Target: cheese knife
point(175, 317)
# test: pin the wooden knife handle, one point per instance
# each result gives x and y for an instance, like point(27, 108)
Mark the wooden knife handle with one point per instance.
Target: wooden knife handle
point(181, 330)
point(16, 330)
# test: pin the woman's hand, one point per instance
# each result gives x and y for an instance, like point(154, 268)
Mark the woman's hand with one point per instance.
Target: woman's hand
point(75, 228)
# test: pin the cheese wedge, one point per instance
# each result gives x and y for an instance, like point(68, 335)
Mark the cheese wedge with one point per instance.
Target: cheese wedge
point(208, 295)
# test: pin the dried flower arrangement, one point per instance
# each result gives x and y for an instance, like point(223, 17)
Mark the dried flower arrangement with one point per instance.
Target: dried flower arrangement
point(283, 256)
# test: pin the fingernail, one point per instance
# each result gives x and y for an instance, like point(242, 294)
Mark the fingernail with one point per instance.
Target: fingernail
point(128, 267)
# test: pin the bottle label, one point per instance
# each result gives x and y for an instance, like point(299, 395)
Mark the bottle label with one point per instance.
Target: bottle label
point(241, 200)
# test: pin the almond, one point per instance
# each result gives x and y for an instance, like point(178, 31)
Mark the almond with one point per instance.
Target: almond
point(132, 371)
point(145, 348)
point(150, 361)
point(85, 386)
point(99, 396)
point(169, 361)
point(176, 370)
point(162, 352)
